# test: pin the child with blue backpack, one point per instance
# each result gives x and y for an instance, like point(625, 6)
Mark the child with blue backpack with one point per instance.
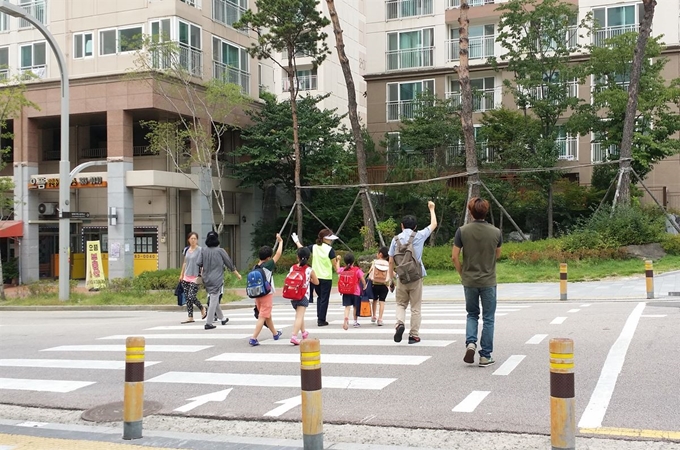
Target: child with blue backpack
point(260, 286)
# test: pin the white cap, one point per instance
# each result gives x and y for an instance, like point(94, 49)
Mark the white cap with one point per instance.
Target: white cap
point(332, 237)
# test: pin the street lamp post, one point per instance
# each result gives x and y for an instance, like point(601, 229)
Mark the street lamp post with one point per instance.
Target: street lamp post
point(64, 164)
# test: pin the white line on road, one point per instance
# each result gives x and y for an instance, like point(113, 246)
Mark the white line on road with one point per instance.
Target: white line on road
point(599, 400)
point(425, 322)
point(61, 386)
point(326, 358)
point(509, 365)
point(208, 334)
point(69, 363)
point(201, 400)
point(653, 315)
point(585, 305)
point(574, 310)
point(262, 380)
point(471, 401)
point(373, 342)
point(200, 327)
point(536, 339)
point(121, 348)
point(388, 329)
point(558, 321)
point(286, 405)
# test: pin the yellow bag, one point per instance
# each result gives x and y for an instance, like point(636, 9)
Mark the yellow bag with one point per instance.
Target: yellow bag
point(365, 310)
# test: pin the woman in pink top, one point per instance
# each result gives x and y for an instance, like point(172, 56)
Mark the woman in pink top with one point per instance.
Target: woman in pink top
point(188, 275)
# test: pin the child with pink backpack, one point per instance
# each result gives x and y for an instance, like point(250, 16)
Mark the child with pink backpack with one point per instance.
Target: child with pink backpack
point(350, 284)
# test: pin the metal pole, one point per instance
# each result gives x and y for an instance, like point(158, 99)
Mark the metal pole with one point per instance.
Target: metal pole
point(64, 163)
point(133, 395)
point(562, 393)
point(563, 281)
point(310, 380)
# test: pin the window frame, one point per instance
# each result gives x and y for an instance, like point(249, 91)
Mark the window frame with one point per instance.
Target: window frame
point(389, 101)
point(4, 23)
point(117, 31)
point(83, 45)
point(33, 62)
point(4, 68)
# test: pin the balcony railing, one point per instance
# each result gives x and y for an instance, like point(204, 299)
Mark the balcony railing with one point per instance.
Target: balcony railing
point(304, 83)
point(4, 74)
point(194, 3)
point(456, 3)
point(191, 59)
point(227, 12)
point(142, 150)
point(412, 159)
point(482, 100)
point(455, 154)
point(36, 9)
point(93, 153)
point(541, 92)
point(396, 9)
point(567, 148)
point(38, 71)
point(232, 75)
point(480, 47)
point(51, 155)
point(600, 153)
point(405, 109)
point(602, 34)
point(408, 59)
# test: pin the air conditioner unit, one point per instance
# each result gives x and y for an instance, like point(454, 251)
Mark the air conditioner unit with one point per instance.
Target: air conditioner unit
point(47, 209)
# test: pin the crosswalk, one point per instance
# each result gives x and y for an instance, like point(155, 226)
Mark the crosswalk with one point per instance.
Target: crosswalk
point(227, 354)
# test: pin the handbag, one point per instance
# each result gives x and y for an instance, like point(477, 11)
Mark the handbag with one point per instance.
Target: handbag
point(181, 299)
point(365, 310)
point(199, 280)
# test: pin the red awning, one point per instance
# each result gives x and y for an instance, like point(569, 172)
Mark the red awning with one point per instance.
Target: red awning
point(11, 228)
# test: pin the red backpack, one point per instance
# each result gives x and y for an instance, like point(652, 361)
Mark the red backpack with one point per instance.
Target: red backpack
point(295, 284)
point(347, 281)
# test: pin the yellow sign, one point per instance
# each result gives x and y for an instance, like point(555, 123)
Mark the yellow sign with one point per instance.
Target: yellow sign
point(50, 182)
point(94, 275)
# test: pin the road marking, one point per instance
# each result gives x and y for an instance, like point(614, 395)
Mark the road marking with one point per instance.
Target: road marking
point(372, 342)
point(585, 305)
point(536, 339)
point(558, 321)
point(200, 327)
point(218, 396)
point(471, 401)
point(61, 386)
point(208, 334)
point(425, 322)
point(629, 432)
point(574, 310)
point(326, 358)
point(389, 329)
point(653, 315)
point(599, 400)
point(121, 348)
point(509, 365)
point(262, 380)
point(286, 405)
point(69, 363)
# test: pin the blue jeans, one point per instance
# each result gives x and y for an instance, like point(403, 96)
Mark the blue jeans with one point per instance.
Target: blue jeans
point(487, 295)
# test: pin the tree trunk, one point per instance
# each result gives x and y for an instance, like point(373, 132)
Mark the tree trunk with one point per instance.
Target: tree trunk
point(550, 211)
point(354, 122)
point(296, 141)
point(466, 106)
point(2, 283)
point(631, 107)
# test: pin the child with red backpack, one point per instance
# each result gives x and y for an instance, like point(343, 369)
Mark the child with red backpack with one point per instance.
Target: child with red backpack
point(296, 289)
point(350, 284)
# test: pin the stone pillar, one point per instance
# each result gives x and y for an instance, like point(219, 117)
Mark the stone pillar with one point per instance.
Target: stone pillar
point(25, 200)
point(201, 213)
point(119, 158)
point(251, 208)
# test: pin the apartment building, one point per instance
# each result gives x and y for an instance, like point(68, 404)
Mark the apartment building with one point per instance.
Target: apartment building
point(413, 46)
point(154, 206)
point(328, 78)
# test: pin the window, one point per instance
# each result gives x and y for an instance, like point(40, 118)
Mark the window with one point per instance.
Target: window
point(471, 3)
point(33, 59)
point(230, 63)
point(194, 3)
point(82, 45)
point(599, 152)
point(4, 63)
point(190, 54)
point(396, 9)
point(481, 42)
point(146, 241)
point(229, 12)
point(567, 145)
point(483, 93)
point(408, 49)
point(306, 80)
point(120, 40)
point(36, 9)
point(401, 98)
point(4, 22)
point(616, 20)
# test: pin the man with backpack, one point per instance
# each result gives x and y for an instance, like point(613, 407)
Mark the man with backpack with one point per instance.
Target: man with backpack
point(406, 260)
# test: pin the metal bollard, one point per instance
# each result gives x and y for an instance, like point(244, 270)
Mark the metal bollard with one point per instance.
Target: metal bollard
point(649, 276)
point(563, 281)
point(310, 375)
point(133, 399)
point(562, 403)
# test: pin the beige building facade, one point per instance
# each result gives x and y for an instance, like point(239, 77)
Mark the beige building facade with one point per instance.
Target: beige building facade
point(154, 204)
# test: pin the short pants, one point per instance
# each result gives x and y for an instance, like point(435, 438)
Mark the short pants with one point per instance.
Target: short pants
point(380, 292)
point(264, 305)
point(304, 302)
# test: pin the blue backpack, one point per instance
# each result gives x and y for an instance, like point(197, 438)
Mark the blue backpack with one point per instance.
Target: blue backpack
point(258, 282)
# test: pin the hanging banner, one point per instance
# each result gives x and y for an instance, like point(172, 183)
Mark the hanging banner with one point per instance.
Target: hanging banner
point(94, 275)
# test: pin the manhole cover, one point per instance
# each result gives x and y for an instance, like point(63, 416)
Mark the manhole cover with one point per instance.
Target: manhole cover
point(113, 412)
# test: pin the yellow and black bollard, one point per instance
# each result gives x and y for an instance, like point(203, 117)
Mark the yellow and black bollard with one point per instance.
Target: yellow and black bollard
point(133, 400)
point(649, 276)
point(563, 281)
point(310, 374)
point(562, 403)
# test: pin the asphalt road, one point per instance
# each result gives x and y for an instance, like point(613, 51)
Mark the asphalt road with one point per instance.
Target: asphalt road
point(626, 380)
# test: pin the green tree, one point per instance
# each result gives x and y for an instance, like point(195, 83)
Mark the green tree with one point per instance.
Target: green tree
point(296, 28)
point(510, 137)
point(538, 37)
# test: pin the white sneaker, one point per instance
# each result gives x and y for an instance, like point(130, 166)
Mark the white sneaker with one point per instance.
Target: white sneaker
point(470, 353)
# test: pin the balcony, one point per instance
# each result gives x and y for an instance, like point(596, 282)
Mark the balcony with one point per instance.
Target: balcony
point(600, 153)
point(142, 150)
point(93, 153)
point(37, 71)
point(409, 59)
point(481, 47)
point(397, 9)
point(194, 3)
point(36, 9)
point(51, 155)
point(541, 92)
point(411, 159)
point(227, 12)
point(456, 3)
point(482, 100)
point(233, 75)
point(4, 74)
point(601, 35)
point(405, 109)
point(304, 83)
point(455, 154)
point(567, 148)
point(191, 59)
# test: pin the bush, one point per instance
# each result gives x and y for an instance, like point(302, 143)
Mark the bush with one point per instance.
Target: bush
point(627, 225)
point(671, 244)
point(157, 280)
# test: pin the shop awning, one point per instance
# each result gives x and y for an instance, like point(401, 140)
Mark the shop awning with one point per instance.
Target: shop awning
point(11, 228)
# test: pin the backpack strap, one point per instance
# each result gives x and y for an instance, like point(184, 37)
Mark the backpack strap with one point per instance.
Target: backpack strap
point(413, 236)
